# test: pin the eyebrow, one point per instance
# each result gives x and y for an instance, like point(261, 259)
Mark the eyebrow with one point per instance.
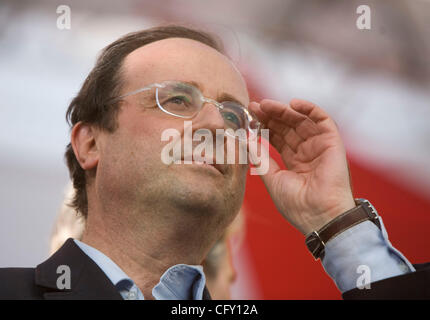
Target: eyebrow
point(228, 97)
point(221, 98)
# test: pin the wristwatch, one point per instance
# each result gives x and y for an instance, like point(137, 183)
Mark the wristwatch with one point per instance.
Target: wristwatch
point(316, 240)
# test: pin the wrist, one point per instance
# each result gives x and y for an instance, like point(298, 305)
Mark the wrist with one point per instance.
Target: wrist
point(317, 239)
point(329, 215)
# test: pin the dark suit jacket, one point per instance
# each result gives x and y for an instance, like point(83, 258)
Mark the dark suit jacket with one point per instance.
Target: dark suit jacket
point(414, 285)
point(88, 281)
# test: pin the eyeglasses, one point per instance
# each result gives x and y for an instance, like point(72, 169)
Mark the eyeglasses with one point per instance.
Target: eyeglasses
point(183, 100)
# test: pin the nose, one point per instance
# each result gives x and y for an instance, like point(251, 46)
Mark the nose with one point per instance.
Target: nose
point(208, 118)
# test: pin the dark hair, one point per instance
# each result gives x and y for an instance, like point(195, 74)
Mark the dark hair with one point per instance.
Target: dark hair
point(104, 82)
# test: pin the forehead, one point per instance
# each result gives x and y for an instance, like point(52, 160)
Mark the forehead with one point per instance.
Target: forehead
point(186, 60)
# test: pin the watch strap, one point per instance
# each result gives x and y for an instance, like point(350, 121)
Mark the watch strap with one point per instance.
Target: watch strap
point(317, 240)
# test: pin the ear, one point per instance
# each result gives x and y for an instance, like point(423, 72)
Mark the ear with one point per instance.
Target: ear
point(83, 139)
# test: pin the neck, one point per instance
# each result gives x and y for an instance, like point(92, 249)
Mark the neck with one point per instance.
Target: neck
point(144, 244)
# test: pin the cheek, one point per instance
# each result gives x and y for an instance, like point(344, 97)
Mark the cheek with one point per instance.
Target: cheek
point(137, 123)
point(123, 149)
point(139, 139)
point(126, 164)
point(145, 127)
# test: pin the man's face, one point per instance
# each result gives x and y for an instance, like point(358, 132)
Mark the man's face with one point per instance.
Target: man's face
point(130, 169)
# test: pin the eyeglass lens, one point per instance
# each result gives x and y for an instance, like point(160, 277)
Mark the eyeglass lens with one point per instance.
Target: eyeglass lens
point(185, 100)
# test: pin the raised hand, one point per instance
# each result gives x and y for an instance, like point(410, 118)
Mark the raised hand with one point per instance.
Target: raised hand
point(316, 187)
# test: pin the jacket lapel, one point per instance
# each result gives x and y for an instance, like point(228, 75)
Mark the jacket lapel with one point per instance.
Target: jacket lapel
point(88, 281)
point(206, 294)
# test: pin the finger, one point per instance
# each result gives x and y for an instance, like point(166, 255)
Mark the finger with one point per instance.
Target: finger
point(302, 124)
point(315, 113)
point(288, 134)
point(278, 142)
point(277, 126)
point(290, 157)
point(281, 111)
point(256, 109)
point(270, 174)
point(309, 109)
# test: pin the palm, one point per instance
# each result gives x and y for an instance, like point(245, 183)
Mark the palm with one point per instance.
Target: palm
point(315, 188)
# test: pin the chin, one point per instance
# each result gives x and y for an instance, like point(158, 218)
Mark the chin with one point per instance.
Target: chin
point(204, 193)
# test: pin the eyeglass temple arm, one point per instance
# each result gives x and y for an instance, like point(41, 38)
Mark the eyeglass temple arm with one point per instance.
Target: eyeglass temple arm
point(154, 85)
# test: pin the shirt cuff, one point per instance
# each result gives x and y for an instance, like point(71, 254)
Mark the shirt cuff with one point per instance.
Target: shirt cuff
point(363, 254)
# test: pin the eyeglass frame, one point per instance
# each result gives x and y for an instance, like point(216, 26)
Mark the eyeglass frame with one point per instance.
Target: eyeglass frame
point(217, 104)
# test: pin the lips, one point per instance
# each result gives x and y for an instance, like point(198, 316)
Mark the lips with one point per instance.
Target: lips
point(222, 168)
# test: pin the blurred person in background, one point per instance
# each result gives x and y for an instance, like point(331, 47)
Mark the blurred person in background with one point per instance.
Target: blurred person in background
point(217, 266)
point(149, 226)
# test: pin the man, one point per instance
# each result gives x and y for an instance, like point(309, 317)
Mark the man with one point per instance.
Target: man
point(150, 224)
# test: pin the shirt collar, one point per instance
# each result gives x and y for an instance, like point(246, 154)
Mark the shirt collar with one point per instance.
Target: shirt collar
point(179, 282)
point(110, 268)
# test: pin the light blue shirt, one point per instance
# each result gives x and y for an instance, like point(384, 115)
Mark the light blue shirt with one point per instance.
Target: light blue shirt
point(179, 282)
point(359, 250)
point(345, 255)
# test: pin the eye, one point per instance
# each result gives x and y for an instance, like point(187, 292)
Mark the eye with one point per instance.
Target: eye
point(177, 103)
point(178, 99)
point(232, 120)
point(233, 115)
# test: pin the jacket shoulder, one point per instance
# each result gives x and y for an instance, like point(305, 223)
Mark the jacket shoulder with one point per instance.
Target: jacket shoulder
point(18, 283)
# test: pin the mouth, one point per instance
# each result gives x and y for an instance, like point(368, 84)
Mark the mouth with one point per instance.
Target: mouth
point(221, 168)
